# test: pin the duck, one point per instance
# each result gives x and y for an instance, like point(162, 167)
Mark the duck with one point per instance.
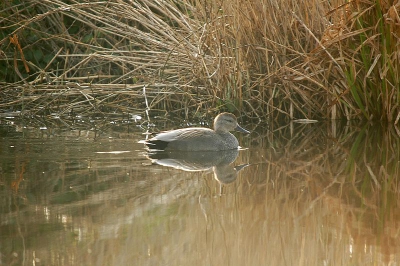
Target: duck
point(200, 138)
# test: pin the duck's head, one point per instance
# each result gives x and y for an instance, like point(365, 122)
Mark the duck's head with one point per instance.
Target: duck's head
point(226, 122)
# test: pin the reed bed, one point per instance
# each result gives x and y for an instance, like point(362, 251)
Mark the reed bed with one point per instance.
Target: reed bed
point(277, 59)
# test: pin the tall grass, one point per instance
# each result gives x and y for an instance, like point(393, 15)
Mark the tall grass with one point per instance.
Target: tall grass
point(277, 59)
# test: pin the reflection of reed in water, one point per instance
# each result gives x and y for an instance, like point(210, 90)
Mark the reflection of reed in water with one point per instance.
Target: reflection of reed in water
point(334, 193)
point(219, 162)
point(316, 198)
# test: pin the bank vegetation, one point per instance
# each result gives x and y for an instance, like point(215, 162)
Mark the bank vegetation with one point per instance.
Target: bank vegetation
point(269, 59)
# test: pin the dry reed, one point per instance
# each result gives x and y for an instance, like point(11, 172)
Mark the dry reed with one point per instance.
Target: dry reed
point(282, 59)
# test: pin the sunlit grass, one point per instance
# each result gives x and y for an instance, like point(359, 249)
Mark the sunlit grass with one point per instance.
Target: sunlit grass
point(267, 59)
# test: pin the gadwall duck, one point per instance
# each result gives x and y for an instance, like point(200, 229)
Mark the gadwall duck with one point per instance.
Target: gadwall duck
point(200, 138)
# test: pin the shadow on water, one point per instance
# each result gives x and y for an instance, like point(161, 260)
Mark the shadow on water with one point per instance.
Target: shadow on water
point(315, 194)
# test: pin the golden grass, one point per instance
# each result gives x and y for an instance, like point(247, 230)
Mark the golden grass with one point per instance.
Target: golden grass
point(277, 59)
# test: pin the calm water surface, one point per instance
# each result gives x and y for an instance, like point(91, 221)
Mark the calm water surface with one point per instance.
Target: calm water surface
point(315, 194)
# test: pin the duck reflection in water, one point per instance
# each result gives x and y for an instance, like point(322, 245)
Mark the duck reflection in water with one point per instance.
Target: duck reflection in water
point(200, 149)
point(217, 161)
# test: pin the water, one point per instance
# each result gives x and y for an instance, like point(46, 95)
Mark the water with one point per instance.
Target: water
point(315, 194)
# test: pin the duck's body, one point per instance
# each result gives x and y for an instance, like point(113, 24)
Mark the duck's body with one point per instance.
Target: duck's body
point(200, 138)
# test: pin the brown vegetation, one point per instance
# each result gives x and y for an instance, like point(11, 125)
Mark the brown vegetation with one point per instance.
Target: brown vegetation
point(276, 59)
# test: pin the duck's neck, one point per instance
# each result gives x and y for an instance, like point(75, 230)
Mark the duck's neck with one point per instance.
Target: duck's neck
point(220, 131)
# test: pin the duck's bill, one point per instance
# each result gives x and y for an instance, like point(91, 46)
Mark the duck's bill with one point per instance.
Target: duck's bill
point(240, 129)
